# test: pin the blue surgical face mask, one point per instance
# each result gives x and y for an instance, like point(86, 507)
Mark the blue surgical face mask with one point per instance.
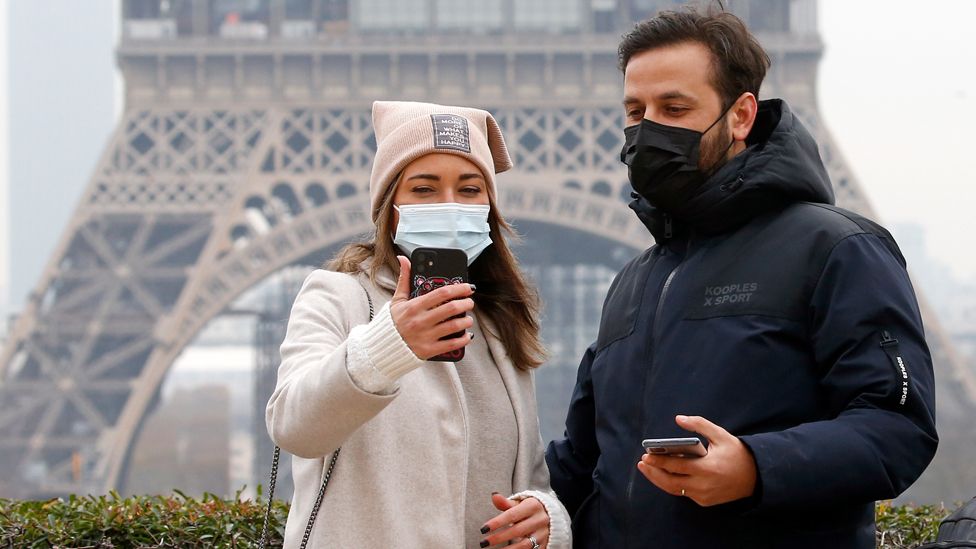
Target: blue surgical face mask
point(447, 225)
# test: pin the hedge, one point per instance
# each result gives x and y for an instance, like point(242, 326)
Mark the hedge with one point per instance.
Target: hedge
point(905, 526)
point(138, 522)
point(142, 522)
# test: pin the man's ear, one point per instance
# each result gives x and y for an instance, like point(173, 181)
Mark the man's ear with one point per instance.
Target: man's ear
point(743, 115)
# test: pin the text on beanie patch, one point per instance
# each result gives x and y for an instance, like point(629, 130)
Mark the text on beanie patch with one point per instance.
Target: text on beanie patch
point(451, 132)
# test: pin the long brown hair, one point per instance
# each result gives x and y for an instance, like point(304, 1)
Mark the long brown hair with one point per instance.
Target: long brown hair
point(503, 294)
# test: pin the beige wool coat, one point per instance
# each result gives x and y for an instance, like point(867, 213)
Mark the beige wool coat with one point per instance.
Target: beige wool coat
point(400, 477)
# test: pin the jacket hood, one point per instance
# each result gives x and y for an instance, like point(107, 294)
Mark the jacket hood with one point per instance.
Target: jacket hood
point(781, 165)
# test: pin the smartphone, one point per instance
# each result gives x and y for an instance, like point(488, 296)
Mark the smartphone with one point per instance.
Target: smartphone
point(431, 268)
point(689, 447)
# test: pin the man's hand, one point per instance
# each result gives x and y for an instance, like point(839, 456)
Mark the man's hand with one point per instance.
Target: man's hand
point(726, 473)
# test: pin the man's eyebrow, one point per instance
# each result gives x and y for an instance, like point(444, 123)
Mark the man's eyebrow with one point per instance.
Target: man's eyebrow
point(675, 94)
point(664, 96)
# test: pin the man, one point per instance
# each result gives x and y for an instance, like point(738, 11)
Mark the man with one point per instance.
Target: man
point(779, 329)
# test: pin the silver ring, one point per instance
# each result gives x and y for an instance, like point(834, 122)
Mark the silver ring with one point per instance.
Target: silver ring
point(535, 544)
point(682, 492)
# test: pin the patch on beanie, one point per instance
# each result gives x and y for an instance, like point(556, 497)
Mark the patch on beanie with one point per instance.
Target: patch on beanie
point(451, 132)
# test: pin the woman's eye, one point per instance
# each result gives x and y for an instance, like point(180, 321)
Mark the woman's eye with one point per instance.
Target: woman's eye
point(423, 190)
point(471, 190)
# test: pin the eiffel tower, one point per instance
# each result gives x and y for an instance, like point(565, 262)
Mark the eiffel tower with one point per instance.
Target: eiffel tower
point(245, 147)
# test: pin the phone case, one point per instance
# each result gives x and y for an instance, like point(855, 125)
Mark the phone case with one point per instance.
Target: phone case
point(432, 268)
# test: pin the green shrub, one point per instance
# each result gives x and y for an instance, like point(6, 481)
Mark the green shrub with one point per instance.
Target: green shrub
point(138, 522)
point(906, 526)
point(142, 522)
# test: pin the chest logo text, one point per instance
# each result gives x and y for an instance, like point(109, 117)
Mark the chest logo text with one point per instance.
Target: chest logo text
point(730, 293)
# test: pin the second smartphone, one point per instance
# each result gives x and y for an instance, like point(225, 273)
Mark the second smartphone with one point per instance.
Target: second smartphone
point(680, 447)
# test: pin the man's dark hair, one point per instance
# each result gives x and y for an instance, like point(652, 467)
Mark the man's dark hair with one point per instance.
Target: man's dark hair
point(739, 63)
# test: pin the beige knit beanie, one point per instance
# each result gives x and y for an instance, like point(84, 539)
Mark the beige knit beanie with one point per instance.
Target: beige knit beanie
point(406, 131)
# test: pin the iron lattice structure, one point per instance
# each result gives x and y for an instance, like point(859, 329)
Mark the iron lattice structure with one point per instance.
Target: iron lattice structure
point(235, 159)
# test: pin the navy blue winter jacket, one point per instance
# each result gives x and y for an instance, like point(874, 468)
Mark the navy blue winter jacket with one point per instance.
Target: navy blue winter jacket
point(787, 321)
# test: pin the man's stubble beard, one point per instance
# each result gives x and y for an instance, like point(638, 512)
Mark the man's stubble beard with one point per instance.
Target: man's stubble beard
point(715, 149)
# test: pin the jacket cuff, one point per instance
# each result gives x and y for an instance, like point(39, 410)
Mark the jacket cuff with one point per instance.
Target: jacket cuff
point(560, 534)
point(378, 356)
point(770, 473)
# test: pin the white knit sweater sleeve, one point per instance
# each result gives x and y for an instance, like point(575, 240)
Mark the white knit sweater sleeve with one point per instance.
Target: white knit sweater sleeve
point(378, 356)
point(316, 403)
point(560, 532)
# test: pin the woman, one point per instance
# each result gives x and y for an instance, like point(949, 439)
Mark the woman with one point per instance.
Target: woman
point(428, 448)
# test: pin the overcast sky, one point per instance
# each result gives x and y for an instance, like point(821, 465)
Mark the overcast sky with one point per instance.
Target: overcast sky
point(897, 89)
point(4, 171)
point(62, 112)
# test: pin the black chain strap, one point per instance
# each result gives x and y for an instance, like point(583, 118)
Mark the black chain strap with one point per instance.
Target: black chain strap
point(271, 487)
point(318, 499)
point(325, 479)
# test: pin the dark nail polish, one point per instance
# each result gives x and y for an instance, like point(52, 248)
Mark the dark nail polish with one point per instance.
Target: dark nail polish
point(473, 287)
point(471, 335)
point(484, 543)
point(485, 529)
point(494, 493)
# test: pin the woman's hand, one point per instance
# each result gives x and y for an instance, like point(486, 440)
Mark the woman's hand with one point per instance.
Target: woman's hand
point(518, 521)
point(424, 320)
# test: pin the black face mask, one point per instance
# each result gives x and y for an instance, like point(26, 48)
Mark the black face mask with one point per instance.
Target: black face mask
point(662, 163)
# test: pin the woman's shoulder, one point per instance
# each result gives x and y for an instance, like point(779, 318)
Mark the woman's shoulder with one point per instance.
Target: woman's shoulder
point(333, 282)
point(329, 293)
point(325, 276)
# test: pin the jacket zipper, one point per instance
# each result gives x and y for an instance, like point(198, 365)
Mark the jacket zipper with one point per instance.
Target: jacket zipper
point(660, 302)
point(654, 325)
